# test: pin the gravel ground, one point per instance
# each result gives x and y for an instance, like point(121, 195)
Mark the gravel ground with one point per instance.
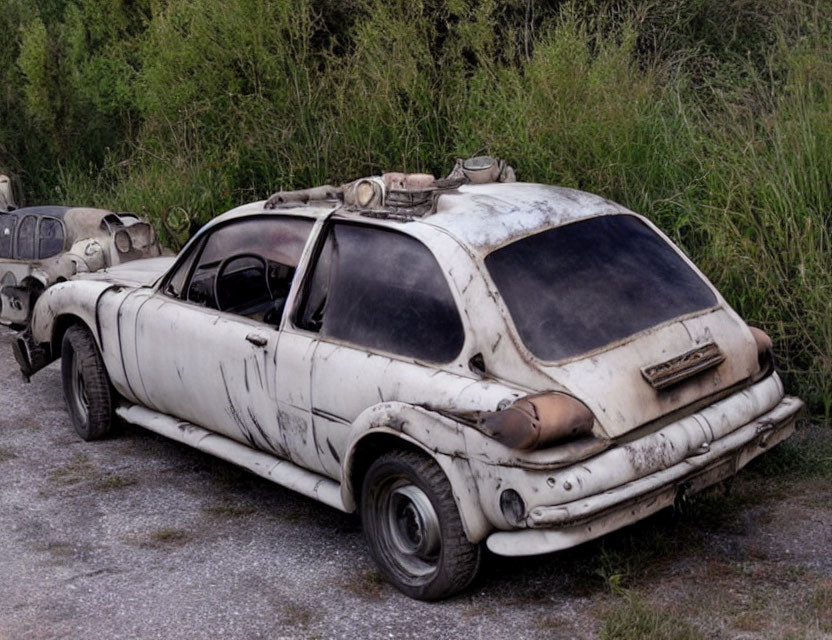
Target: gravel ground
point(139, 537)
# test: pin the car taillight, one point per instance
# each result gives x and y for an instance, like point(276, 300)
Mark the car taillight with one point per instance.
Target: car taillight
point(537, 421)
point(765, 347)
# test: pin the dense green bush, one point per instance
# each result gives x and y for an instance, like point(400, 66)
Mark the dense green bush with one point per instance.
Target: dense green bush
point(713, 117)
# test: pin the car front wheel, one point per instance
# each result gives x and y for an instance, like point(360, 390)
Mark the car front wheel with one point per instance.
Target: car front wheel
point(87, 390)
point(413, 527)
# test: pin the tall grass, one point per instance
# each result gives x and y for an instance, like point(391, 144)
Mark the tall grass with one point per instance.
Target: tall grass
point(712, 117)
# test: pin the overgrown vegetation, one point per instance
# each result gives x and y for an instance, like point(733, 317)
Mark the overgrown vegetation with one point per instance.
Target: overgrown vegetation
point(633, 619)
point(712, 117)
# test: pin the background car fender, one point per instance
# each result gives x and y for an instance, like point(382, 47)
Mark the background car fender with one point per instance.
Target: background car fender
point(40, 275)
point(90, 253)
point(16, 298)
point(67, 265)
point(415, 425)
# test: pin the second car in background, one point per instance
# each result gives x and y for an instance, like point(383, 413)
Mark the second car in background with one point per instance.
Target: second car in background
point(42, 245)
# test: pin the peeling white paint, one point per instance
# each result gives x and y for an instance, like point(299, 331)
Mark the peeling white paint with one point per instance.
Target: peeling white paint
point(300, 409)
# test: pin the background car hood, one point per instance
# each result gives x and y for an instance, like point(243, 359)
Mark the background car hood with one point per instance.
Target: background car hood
point(136, 273)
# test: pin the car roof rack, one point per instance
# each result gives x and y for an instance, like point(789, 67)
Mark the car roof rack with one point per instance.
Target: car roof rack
point(395, 195)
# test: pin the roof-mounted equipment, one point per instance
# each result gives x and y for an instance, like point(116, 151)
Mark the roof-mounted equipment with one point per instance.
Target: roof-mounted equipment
point(302, 196)
point(396, 195)
point(482, 169)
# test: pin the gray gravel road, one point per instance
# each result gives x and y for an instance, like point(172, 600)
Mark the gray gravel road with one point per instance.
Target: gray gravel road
point(139, 537)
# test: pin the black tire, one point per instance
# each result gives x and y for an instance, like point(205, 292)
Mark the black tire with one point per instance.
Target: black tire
point(87, 390)
point(413, 528)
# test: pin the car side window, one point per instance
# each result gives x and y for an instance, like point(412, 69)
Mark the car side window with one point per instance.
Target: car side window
point(50, 238)
point(26, 239)
point(247, 266)
point(382, 290)
point(6, 236)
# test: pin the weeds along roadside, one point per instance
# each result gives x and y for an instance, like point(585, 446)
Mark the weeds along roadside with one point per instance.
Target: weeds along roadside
point(711, 118)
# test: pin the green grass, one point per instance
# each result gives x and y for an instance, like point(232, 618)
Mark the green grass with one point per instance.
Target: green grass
point(631, 618)
point(820, 604)
point(115, 481)
point(167, 537)
point(368, 585)
point(805, 456)
point(713, 118)
point(230, 510)
point(79, 469)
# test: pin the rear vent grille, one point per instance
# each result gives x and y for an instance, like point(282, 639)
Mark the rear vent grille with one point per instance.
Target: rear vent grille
point(666, 374)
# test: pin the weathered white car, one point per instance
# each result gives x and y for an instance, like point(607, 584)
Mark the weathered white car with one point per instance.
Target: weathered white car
point(519, 365)
point(46, 244)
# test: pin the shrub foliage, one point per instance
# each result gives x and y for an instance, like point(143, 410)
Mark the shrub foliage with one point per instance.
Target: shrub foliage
point(712, 117)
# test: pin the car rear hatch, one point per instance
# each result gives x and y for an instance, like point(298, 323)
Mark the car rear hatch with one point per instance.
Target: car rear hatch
point(707, 354)
point(614, 313)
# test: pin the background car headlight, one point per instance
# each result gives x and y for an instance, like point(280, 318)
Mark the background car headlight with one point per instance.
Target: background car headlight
point(122, 241)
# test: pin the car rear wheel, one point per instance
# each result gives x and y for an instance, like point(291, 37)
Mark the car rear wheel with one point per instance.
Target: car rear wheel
point(87, 390)
point(413, 527)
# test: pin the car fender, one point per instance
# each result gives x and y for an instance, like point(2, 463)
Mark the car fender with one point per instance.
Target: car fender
point(74, 298)
point(417, 425)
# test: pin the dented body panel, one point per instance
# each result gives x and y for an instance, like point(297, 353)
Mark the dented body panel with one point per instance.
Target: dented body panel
point(265, 387)
point(562, 526)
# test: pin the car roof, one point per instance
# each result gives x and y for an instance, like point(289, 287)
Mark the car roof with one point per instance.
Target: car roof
point(481, 217)
point(66, 213)
point(53, 211)
point(484, 217)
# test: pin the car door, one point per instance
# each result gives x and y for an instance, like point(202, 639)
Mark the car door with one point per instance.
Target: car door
point(385, 321)
point(203, 347)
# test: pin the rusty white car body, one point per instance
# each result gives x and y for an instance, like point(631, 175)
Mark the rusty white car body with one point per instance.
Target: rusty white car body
point(42, 245)
point(545, 357)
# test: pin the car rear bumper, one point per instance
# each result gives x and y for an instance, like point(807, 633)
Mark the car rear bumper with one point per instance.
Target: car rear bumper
point(552, 528)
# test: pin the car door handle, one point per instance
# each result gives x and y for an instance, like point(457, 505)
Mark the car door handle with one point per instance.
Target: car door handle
point(256, 340)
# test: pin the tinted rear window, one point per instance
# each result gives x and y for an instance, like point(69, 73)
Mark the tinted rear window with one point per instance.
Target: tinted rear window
point(581, 286)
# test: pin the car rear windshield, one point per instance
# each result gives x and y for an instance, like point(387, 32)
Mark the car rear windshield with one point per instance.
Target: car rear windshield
point(578, 287)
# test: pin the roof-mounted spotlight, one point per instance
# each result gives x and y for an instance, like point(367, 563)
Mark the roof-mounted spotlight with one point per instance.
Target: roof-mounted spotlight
point(482, 170)
point(367, 193)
